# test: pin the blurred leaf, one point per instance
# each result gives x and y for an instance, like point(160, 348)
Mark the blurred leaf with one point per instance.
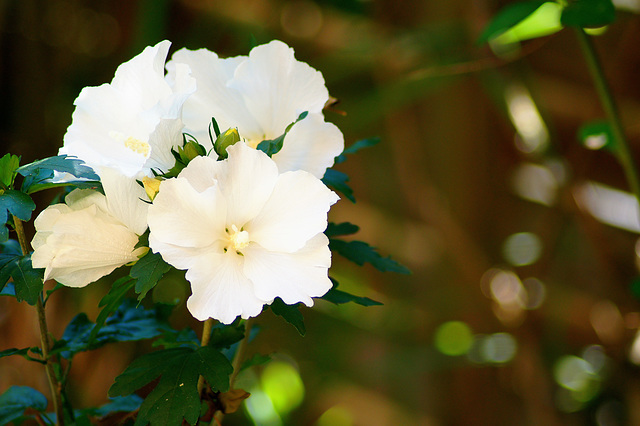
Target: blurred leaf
point(257, 359)
point(17, 399)
point(338, 181)
point(118, 404)
point(223, 336)
point(508, 17)
point(27, 281)
point(148, 270)
point(291, 314)
point(8, 166)
point(111, 301)
point(597, 135)
point(360, 253)
point(544, 21)
point(588, 13)
point(232, 400)
point(340, 297)
point(344, 228)
point(8, 290)
point(24, 352)
point(175, 396)
point(357, 146)
point(16, 203)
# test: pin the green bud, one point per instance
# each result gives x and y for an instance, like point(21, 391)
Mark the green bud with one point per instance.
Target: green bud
point(192, 150)
point(225, 140)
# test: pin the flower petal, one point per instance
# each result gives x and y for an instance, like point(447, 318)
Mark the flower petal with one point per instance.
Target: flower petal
point(295, 212)
point(124, 199)
point(293, 277)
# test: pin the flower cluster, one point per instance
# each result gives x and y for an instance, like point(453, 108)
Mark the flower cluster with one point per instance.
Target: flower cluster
point(246, 226)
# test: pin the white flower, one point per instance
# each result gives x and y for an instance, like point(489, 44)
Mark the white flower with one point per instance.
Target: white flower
point(261, 95)
point(92, 234)
point(131, 124)
point(244, 233)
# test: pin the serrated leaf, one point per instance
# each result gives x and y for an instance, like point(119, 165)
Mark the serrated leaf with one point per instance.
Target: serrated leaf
point(509, 17)
point(175, 397)
point(16, 203)
point(148, 271)
point(360, 253)
point(338, 181)
point(111, 301)
point(291, 314)
point(588, 13)
point(357, 146)
point(17, 399)
point(27, 281)
point(344, 228)
point(8, 166)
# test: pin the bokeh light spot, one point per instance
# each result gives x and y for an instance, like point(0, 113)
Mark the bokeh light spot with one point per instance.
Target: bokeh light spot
point(336, 416)
point(282, 383)
point(522, 248)
point(573, 373)
point(499, 348)
point(453, 338)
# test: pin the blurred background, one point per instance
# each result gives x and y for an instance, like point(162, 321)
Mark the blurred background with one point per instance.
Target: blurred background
point(523, 242)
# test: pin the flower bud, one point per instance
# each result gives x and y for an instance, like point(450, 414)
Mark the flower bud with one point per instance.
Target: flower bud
point(225, 140)
point(151, 186)
point(192, 149)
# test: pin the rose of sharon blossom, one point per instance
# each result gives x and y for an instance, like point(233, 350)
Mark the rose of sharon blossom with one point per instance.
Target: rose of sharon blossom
point(91, 234)
point(131, 124)
point(261, 94)
point(244, 233)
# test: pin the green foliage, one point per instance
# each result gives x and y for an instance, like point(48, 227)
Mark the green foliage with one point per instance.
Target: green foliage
point(176, 339)
point(588, 13)
point(273, 146)
point(37, 174)
point(340, 297)
point(128, 323)
point(24, 352)
point(10, 253)
point(175, 397)
point(257, 359)
point(338, 181)
point(223, 336)
point(16, 203)
point(8, 166)
point(111, 302)
point(360, 253)
point(509, 17)
point(337, 229)
point(147, 271)
point(291, 314)
point(357, 146)
point(27, 281)
point(17, 399)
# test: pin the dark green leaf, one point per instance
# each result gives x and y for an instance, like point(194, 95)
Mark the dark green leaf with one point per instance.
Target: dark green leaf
point(223, 336)
point(14, 351)
point(338, 181)
point(509, 17)
point(588, 13)
point(9, 255)
point(148, 270)
point(271, 147)
point(363, 143)
point(83, 184)
point(186, 337)
point(8, 166)
point(339, 297)
point(175, 397)
point(111, 301)
point(291, 314)
point(360, 253)
point(62, 164)
point(17, 399)
point(16, 203)
point(344, 228)
point(8, 290)
point(27, 281)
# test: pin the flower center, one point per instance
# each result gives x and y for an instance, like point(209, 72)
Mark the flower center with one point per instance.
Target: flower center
point(135, 145)
point(238, 239)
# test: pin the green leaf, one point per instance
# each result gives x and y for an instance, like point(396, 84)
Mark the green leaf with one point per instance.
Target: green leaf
point(257, 359)
point(62, 164)
point(14, 351)
point(357, 146)
point(111, 301)
point(588, 13)
point(223, 336)
point(16, 203)
point(340, 297)
point(27, 281)
point(291, 314)
point(175, 397)
point(10, 253)
point(17, 399)
point(338, 181)
point(273, 146)
point(186, 337)
point(8, 166)
point(509, 17)
point(148, 271)
point(344, 228)
point(360, 253)
point(8, 290)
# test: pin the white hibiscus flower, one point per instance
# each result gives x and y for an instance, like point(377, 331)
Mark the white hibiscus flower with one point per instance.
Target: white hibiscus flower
point(91, 234)
point(131, 124)
point(261, 94)
point(245, 233)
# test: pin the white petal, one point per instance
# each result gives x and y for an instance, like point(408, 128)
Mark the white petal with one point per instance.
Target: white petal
point(293, 277)
point(311, 145)
point(220, 290)
point(295, 212)
point(182, 216)
point(166, 136)
point(202, 172)
point(277, 88)
point(124, 199)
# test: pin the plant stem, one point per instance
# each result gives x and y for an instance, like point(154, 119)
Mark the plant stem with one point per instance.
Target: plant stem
point(45, 344)
point(621, 145)
point(206, 335)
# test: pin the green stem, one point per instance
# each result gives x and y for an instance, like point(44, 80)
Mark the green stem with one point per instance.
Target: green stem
point(621, 145)
point(206, 335)
point(45, 344)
